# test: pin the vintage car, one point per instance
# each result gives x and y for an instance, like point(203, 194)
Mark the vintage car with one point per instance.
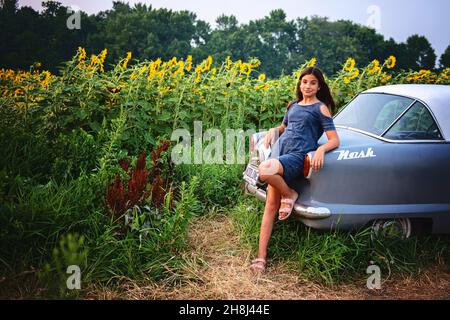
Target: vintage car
point(391, 171)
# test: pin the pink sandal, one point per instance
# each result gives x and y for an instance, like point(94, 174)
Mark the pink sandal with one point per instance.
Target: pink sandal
point(258, 265)
point(284, 213)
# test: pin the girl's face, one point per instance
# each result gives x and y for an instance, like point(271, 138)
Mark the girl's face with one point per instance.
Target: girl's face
point(309, 86)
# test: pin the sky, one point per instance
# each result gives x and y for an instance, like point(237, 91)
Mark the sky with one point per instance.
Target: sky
point(392, 18)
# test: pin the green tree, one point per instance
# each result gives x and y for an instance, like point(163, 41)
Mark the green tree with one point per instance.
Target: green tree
point(147, 33)
point(225, 40)
point(444, 61)
point(420, 53)
point(276, 39)
point(28, 36)
point(9, 7)
point(281, 45)
point(330, 42)
point(270, 39)
point(400, 51)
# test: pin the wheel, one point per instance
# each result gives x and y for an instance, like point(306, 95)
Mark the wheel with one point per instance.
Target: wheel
point(391, 229)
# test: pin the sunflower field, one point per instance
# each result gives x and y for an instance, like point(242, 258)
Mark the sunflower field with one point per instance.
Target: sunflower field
point(85, 173)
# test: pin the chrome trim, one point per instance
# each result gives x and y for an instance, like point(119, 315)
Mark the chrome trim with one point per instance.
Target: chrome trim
point(260, 194)
point(401, 115)
point(389, 140)
point(307, 212)
point(345, 106)
point(429, 110)
point(424, 103)
point(312, 212)
point(434, 118)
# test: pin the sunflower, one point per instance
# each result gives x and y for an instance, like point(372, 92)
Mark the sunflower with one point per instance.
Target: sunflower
point(188, 64)
point(264, 86)
point(312, 62)
point(95, 61)
point(103, 55)
point(352, 76)
point(172, 62)
point(446, 73)
point(142, 69)
point(81, 54)
point(47, 77)
point(154, 65)
point(206, 64)
point(213, 72)
point(386, 77)
point(127, 59)
point(180, 69)
point(374, 67)
point(255, 62)
point(246, 68)
point(390, 62)
point(349, 64)
point(229, 62)
point(198, 72)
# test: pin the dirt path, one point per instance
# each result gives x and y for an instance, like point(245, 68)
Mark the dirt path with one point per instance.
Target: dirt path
point(218, 269)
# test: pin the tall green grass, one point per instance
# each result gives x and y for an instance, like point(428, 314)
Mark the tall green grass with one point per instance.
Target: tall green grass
point(33, 223)
point(220, 184)
point(334, 257)
point(36, 229)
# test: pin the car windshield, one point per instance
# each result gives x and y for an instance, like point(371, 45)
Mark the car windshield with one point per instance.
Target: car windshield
point(372, 112)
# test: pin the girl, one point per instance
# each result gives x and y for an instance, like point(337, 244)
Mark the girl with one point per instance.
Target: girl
point(303, 124)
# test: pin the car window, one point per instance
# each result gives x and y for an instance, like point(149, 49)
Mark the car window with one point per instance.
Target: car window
point(372, 112)
point(416, 124)
point(389, 113)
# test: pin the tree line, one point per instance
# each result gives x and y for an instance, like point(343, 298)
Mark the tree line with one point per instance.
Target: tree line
point(28, 36)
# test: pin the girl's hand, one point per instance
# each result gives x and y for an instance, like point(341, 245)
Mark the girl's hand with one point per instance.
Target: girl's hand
point(268, 137)
point(318, 159)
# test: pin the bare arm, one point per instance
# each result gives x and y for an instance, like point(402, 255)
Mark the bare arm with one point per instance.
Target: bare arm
point(271, 134)
point(332, 143)
point(281, 128)
point(333, 138)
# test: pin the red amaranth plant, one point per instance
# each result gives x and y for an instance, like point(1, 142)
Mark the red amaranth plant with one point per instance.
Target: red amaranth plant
point(125, 164)
point(159, 184)
point(138, 182)
point(115, 198)
point(119, 199)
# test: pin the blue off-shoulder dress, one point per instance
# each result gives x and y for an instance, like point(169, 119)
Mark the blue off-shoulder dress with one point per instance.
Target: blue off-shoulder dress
point(305, 124)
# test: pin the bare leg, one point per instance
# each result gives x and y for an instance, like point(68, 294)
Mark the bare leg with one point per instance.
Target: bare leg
point(270, 213)
point(271, 171)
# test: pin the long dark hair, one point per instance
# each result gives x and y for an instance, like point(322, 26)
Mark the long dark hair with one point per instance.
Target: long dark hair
point(323, 94)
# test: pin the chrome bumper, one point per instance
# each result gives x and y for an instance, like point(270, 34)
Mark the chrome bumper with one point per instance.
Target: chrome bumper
point(312, 212)
point(307, 212)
